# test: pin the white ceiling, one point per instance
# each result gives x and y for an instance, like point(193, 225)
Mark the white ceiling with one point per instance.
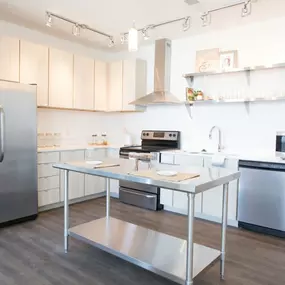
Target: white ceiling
point(110, 16)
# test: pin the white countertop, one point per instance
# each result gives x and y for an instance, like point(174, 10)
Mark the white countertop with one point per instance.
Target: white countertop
point(76, 147)
point(261, 156)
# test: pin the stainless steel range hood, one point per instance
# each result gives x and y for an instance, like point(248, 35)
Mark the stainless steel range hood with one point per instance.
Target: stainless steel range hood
point(162, 65)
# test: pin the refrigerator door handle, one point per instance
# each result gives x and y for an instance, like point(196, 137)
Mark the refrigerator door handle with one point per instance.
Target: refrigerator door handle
point(2, 132)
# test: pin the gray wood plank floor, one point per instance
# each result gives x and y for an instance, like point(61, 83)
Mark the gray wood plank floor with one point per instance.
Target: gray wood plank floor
point(31, 253)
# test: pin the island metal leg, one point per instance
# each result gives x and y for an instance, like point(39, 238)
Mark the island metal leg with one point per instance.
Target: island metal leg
point(224, 229)
point(107, 198)
point(189, 253)
point(66, 210)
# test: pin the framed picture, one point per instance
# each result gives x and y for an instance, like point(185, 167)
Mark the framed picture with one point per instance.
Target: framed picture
point(207, 60)
point(228, 60)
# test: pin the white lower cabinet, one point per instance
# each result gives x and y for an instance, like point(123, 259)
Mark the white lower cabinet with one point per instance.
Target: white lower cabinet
point(180, 200)
point(213, 199)
point(166, 197)
point(114, 184)
point(95, 184)
point(76, 180)
point(48, 197)
point(48, 179)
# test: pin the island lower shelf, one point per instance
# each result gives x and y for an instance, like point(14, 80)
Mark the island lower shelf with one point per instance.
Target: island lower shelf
point(154, 251)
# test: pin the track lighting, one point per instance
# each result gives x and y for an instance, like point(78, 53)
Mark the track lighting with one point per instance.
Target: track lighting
point(133, 38)
point(206, 19)
point(76, 30)
point(76, 26)
point(48, 20)
point(111, 42)
point(186, 24)
point(145, 33)
point(124, 38)
point(246, 9)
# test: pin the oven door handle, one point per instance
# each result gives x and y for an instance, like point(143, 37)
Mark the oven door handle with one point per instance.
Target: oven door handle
point(138, 194)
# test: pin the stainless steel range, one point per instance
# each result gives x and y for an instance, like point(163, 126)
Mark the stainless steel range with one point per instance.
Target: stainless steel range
point(141, 195)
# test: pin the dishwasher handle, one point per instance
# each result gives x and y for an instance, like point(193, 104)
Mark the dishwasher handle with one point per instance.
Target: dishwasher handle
point(262, 165)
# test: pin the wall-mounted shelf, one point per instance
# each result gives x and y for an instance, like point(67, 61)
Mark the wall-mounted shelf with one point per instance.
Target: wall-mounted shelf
point(236, 70)
point(246, 100)
point(189, 105)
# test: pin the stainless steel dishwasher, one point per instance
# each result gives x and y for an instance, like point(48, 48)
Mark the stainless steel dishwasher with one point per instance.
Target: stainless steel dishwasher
point(261, 199)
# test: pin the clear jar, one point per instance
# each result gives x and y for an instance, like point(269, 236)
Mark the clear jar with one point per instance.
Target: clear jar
point(104, 139)
point(94, 139)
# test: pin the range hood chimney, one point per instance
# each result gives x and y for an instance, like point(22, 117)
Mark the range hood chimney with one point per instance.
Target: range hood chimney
point(162, 65)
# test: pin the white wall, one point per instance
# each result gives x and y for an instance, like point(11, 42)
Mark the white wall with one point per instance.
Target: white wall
point(257, 44)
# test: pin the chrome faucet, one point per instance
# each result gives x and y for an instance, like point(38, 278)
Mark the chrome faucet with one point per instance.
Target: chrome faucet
point(220, 137)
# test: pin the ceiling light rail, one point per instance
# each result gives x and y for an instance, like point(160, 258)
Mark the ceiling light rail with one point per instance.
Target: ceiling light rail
point(245, 11)
point(185, 26)
point(77, 27)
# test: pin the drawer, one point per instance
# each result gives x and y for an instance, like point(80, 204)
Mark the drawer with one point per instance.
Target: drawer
point(46, 170)
point(167, 158)
point(48, 157)
point(96, 154)
point(48, 197)
point(138, 198)
point(48, 183)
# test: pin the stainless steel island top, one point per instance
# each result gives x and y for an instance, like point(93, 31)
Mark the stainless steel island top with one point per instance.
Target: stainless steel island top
point(176, 259)
point(209, 177)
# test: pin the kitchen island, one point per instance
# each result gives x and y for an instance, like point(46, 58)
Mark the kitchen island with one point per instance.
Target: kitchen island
point(176, 259)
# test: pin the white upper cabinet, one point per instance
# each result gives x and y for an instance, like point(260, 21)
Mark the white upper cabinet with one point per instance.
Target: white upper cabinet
point(134, 82)
point(9, 59)
point(60, 79)
point(115, 83)
point(101, 82)
point(83, 83)
point(34, 69)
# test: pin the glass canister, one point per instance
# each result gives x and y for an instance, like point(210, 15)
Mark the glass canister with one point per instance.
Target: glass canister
point(104, 139)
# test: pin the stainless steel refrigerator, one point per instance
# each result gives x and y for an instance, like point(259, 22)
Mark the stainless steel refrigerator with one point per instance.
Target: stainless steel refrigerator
point(18, 152)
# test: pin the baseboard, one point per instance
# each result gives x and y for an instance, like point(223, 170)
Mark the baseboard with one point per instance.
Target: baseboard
point(232, 223)
point(74, 201)
point(114, 195)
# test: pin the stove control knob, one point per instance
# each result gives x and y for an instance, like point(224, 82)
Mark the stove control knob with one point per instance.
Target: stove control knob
point(170, 135)
point(174, 135)
point(144, 134)
point(147, 134)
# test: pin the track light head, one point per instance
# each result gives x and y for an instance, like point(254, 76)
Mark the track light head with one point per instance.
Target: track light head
point(206, 19)
point(111, 42)
point(186, 24)
point(145, 33)
point(124, 38)
point(246, 9)
point(48, 19)
point(76, 30)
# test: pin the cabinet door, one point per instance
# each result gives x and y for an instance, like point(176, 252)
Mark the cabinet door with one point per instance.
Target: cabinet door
point(213, 199)
point(134, 82)
point(115, 86)
point(114, 184)
point(180, 199)
point(95, 184)
point(83, 83)
point(60, 79)
point(76, 180)
point(48, 197)
point(100, 93)
point(9, 59)
point(34, 69)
